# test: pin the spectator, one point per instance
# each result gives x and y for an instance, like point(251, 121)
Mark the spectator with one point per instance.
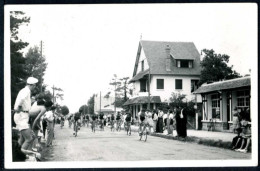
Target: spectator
point(165, 119)
point(236, 120)
point(159, 127)
point(21, 117)
point(49, 117)
point(155, 119)
point(170, 122)
point(246, 137)
point(18, 155)
point(181, 121)
point(236, 142)
point(37, 111)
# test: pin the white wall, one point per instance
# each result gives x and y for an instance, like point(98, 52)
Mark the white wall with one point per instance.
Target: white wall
point(142, 57)
point(169, 86)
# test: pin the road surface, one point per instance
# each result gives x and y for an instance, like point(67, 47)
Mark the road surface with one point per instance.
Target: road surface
point(117, 146)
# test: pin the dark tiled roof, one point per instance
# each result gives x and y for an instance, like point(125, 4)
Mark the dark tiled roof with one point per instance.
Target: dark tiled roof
point(156, 56)
point(139, 75)
point(142, 100)
point(224, 85)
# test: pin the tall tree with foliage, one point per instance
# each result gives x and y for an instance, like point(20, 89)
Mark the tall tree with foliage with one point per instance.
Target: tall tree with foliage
point(64, 110)
point(84, 109)
point(91, 104)
point(121, 90)
point(18, 72)
point(215, 67)
point(35, 66)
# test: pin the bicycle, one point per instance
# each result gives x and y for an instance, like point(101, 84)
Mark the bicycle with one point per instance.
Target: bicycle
point(76, 128)
point(93, 126)
point(112, 126)
point(61, 124)
point(128, 128)
point(118, 125)
point(144, 133)
point(102, 125)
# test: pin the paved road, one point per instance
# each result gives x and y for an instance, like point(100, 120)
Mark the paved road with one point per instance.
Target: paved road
point(117, 146)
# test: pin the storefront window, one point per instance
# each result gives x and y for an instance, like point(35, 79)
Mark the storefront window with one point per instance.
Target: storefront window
point(215, 106)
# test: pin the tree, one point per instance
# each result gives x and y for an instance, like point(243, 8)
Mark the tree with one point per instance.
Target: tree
point(35, 65)
point(121, 89)
point(215, 68)
point(18, 72)
point(177, 99)
point(65, 110)
point(91, 104)
point(84, 109)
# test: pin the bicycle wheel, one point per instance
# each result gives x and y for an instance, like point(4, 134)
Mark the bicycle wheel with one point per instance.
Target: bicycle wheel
point(76, 130)
point(145, 136)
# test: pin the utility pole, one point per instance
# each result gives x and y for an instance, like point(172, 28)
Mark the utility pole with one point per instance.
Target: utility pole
point(115, 97)
point(41, 71)
point(100, 104)
point(53, 94)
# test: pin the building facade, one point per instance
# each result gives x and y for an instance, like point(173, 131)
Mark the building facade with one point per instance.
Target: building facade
point(163, 68)
point(219, 100)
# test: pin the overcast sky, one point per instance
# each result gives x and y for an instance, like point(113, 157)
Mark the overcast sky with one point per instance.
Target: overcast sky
point(85, 45)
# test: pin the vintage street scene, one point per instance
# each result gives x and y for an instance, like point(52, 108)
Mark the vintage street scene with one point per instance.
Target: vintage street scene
point(149, 83)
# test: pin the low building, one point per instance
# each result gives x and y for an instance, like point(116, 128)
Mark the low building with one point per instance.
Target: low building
point(219, 100)
point(105, 104)
point(163, 68)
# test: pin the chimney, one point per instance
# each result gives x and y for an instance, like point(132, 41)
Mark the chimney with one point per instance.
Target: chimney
point(168, 58)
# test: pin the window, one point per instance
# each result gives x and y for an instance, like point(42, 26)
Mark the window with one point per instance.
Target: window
point(160, 83)
point(178, 84)
point(194, 85)
point(215, 106)
point(142, 65)
point(142, 85)
point(243, 99)
point(184, 64)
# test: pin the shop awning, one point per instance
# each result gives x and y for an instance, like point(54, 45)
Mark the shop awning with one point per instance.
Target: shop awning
point(139, 75)
point(224, 85)
point(143, 100)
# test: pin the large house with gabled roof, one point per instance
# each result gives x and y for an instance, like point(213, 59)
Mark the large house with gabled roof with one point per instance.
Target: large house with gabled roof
point(163, 68)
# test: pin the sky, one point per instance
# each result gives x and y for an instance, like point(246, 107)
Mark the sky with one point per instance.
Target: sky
point(85, 45)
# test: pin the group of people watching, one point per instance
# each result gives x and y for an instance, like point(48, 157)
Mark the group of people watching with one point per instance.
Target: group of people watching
point(165, 119)
point(241, 126)
point(30, 119)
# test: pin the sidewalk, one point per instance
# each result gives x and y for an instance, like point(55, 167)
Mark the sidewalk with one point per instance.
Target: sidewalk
point(215, 139)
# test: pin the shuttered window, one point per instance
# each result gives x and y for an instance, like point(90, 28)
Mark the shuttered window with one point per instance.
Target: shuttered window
point(178, 84)
point(160, 83)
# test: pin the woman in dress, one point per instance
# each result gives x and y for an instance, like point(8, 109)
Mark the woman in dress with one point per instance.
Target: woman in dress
point(160, 121)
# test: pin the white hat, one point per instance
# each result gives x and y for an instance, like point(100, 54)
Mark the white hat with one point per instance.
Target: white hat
point(32, 80)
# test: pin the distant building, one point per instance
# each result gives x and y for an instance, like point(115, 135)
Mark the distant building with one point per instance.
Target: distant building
point(219, 100)
point(173, 67)
point(106, 103)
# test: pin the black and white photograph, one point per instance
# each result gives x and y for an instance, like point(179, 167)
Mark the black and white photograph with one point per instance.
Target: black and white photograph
point(130, 85)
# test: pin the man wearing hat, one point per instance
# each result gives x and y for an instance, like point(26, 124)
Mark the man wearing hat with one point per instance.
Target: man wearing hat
point(21, 117)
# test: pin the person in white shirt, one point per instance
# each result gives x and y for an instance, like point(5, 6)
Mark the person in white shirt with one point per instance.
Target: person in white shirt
point(22, 107)
point(155, 119)
point(49, 117)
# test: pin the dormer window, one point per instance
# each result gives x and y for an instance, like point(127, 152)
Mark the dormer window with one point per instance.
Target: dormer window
point(184, 63)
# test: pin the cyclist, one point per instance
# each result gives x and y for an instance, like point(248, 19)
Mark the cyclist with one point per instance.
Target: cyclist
point(128, 121)
point(118, 121)
point(87, 119)
point(112, 121)
point(70, 119)
point(142, 121)
point(101, 118)
point(93, 123)
point(76, 119)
